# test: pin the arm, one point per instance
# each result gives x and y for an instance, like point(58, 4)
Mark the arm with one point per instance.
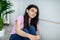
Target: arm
point(19, 31)
point(22, 33)
point(38, 34)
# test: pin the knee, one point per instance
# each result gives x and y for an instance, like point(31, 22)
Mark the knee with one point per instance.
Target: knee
point(32, 28)
point(25, 30)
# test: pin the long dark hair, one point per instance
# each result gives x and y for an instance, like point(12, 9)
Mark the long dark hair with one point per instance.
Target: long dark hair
point(34, 20)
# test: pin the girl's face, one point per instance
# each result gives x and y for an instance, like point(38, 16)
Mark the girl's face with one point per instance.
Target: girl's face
point(32, 12)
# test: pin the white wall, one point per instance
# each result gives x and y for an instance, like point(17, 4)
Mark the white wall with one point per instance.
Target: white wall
point(15, 7)
point(49, 10)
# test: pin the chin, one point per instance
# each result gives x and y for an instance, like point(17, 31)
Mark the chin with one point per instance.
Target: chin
point(32, 17)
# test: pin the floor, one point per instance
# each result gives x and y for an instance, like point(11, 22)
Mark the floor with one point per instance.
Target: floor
point(7, 32)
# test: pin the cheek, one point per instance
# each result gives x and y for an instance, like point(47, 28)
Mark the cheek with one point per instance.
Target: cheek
point(32, 14)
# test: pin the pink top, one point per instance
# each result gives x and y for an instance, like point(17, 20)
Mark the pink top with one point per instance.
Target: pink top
point(14, 26)
point(21, 18)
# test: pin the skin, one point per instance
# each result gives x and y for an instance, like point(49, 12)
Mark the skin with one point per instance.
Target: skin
point(32, 13)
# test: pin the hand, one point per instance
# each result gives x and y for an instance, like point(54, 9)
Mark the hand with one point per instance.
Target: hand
point(32, 37)
point(38, 37)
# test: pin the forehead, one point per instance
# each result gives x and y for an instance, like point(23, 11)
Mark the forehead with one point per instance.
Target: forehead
point(33, 8)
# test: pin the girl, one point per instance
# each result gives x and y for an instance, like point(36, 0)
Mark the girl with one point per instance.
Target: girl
point(25, 27)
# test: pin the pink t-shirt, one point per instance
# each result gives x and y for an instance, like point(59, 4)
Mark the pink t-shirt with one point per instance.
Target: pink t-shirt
point(21, 18)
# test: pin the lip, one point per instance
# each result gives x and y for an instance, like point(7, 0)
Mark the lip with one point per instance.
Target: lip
point(32, 16)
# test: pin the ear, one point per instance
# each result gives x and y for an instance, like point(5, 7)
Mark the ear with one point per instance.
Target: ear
point(27, 10)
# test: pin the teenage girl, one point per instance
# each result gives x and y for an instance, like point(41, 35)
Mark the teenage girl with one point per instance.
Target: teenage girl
point(25, 27)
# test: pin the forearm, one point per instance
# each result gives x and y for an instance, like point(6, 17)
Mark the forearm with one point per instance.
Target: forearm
point(19, 31)
point(37, 33)
point(23, 34)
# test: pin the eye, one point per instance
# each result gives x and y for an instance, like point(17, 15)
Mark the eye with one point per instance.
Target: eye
point(32, 10)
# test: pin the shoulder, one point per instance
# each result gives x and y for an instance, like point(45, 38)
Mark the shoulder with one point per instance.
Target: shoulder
point(20, 18)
